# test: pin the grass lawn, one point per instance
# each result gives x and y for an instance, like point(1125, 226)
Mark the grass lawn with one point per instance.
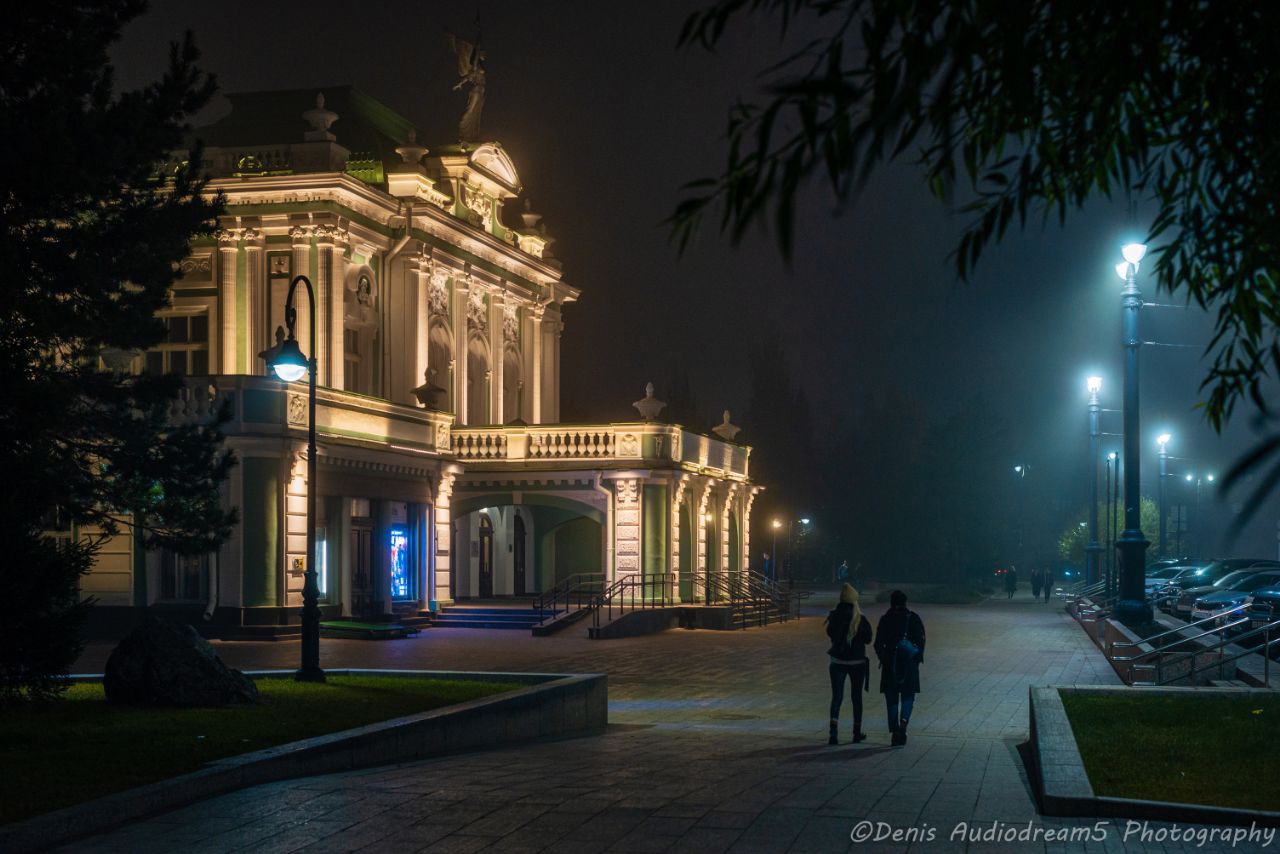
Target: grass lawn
point(1222, 751)
point(80, 747)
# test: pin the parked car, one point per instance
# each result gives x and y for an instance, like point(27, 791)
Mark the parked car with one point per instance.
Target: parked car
point(1178, 597)
point(1263, 607)
point(1228, 596)
point(1165, 576)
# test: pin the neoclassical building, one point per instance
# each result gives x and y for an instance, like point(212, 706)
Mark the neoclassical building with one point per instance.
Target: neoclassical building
point(443, 471)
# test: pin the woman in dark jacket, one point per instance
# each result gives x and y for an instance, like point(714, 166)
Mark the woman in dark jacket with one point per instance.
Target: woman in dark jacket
point(850, 632)
point(899, 662)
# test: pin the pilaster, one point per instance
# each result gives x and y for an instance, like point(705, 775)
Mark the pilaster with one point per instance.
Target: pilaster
point(228, 245)
point(461, 329)
point(535, 373)
point(627, 534)
point(497, 353)
point(443, 546)
point(255, 290)
point(300, 236)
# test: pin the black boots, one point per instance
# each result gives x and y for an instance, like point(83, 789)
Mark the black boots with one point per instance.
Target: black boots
point(833, 739)
point(900, 734)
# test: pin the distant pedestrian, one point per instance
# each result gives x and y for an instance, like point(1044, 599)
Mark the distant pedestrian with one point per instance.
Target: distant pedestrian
point(769, 572)
point(1011, 581)
point(1048, 583)
point(858, 578)
point(1035, 584)
point(842, 572)
point(850, 632)
point(900, 648)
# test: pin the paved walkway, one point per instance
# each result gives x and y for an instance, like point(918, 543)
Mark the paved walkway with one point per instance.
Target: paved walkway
point(716, 743)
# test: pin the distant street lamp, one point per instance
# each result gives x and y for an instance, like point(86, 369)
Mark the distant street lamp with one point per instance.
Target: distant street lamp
point(1021, 471)
point(1198, 480)
point(1163, 442)
point(803, 520)
point(1113, 466)
point(1093, 549)
point(289, 364)
point(773, 555)
point(1132, 607)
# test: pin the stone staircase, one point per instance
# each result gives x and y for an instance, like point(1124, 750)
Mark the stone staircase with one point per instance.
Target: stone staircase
point(485, 617)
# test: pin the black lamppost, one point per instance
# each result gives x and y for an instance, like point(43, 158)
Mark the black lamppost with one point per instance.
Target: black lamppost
point(1132, 608)
point(290, 364)
point(1195, 520)
point(1113, 466)
point(1021, 471)
point(1162, 441)
point(804, 520)
point(1094, 548)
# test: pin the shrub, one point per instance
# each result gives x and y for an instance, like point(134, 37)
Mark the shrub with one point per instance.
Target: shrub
point(41, 613)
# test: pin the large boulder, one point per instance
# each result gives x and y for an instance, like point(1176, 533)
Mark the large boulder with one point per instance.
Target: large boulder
point(165, 664)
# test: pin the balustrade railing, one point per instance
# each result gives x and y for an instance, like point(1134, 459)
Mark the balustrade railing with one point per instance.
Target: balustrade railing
point(199, 400)
point(572, 443)
point(479, 444)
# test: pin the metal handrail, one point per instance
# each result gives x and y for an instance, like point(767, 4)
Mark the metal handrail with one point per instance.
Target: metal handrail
point(1264, 630)
point(577, 589)
point(1174, 631)
point(616, 595)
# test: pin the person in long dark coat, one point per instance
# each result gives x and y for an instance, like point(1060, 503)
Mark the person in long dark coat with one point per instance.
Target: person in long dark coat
point(1047, 581)
point(1035, 584)
point(850, 632)
point(1011, 582)
point(899, 670)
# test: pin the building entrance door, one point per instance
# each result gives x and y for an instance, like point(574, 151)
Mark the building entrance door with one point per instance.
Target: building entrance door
point(517, 547)
point(362, 593)
point(486, 557)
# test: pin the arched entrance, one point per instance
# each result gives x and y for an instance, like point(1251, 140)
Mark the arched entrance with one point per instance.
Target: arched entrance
point(518, 557)
point(485, 557)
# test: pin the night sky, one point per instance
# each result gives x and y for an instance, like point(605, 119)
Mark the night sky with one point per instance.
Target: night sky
point(605, 120)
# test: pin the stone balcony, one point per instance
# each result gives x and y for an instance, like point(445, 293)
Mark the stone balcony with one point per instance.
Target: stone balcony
point(620, 445)
point(263, 406)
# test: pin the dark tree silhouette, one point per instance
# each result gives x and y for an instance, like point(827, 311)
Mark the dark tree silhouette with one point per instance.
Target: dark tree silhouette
point(92, 237)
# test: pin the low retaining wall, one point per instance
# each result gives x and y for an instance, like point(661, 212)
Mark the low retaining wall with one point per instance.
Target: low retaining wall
point(553, 705)
point(647, 621)
point(1063, 782)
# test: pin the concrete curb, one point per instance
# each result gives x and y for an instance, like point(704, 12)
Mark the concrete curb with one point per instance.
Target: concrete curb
point(1064, 786)
point(552, 705)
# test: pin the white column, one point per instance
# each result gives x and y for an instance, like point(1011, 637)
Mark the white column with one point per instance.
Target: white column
point(461, 299)
point(228, 240)
point(419, 270)
point(337, 308)
point(255, 301)
point(535, 373)
point(557, 328)
point(301, 236)
point(443, 552)
point(497, 349)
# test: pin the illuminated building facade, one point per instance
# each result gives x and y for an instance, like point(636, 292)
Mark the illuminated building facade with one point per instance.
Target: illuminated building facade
point(443, 473)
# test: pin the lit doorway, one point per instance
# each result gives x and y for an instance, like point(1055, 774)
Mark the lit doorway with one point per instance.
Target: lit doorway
point(486, 557)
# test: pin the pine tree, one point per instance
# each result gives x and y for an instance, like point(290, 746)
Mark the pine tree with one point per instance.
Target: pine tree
point(92, 239)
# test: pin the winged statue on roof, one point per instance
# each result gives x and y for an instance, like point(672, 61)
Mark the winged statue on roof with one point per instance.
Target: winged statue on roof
point(470, 70)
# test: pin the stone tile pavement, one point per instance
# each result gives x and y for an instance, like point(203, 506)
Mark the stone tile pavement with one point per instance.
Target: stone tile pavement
point(716, 743)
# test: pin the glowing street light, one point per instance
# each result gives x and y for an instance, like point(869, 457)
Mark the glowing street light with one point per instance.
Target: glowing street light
point(289, 364)
point(1132, 607)
point(1163, 442)
point(1093, 549)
